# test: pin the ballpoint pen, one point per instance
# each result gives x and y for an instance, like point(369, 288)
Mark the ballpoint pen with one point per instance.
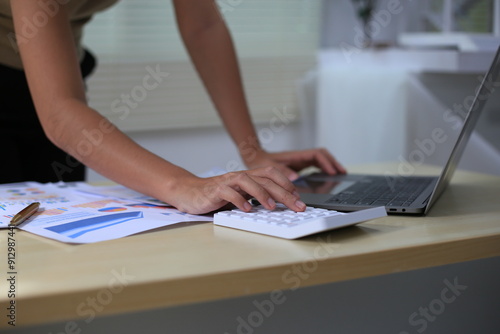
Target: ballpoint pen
point(24, 214)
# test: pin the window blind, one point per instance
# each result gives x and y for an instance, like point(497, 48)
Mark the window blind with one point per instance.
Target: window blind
point(145, 79)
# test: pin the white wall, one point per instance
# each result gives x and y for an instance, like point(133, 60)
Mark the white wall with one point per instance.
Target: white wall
point(362, 97)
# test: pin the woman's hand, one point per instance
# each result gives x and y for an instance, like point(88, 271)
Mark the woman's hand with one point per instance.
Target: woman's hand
point(268, 185)
point(289, 163)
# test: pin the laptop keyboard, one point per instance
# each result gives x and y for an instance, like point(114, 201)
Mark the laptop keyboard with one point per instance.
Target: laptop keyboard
point(384, 191)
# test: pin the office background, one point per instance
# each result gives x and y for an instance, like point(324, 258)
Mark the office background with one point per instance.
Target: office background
point(286, 51)
point(373, 305)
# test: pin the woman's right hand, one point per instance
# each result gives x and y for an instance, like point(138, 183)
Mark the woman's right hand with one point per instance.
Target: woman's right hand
point(268, 185)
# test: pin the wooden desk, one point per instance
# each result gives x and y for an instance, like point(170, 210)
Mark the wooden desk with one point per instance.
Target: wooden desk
point(196, 262)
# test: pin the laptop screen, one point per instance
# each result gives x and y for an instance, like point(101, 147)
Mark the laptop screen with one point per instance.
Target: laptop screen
point(486, 88)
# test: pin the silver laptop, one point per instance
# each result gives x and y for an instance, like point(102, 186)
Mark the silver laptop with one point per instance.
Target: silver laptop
point(399, 194)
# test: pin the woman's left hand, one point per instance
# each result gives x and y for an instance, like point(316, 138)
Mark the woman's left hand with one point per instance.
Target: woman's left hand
point(291, 162)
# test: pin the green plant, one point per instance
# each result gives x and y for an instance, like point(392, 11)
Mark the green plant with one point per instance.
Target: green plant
point(364, 11)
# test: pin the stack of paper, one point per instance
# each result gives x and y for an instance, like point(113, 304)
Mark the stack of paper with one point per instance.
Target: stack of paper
point(80, 213)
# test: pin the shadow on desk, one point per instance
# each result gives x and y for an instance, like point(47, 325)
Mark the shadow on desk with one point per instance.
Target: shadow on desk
point(172, 227)
point(456, 201)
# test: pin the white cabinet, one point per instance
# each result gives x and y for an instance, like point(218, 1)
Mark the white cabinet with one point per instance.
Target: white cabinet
point(383, 105)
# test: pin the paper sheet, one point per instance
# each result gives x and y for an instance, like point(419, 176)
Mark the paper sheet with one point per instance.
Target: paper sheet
point(119, 192)
point(69, 215)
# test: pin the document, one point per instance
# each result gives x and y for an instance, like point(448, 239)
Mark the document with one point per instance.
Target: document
point(79, 213)
point(119, 191)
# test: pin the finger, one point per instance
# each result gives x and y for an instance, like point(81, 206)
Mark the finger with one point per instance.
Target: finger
point(242, 182)
point(276, 187)
point(338, 166)
point(230, 195)
point(276, 175)
point(290, 174)
point(291, 200)
point(320, 158)
point(268, 185)
point(324, 163)
point(331, 162)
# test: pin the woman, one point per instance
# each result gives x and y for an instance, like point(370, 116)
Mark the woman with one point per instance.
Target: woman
point(42, 38)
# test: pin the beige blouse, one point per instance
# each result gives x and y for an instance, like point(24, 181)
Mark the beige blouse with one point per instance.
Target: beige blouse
point(80, 12)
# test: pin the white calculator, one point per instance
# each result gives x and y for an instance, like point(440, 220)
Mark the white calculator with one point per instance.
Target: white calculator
point(285, 223)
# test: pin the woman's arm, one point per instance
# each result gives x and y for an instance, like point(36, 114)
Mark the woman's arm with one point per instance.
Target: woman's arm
point(211, 49)
point(54, 78)
point(210, 46)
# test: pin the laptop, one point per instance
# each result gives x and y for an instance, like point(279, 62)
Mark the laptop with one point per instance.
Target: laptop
point(412, 195)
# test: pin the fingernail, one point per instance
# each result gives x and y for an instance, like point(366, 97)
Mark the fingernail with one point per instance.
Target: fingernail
point(301, 205)
point(271, 202)
point(247, 206)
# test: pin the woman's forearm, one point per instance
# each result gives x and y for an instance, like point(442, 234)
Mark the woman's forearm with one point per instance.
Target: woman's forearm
point(97, 143)
point(211, 49)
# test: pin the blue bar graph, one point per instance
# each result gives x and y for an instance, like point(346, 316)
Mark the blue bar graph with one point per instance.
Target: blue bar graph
point(80, 227)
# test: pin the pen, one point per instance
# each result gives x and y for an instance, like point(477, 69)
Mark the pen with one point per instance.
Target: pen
point(24, 214)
